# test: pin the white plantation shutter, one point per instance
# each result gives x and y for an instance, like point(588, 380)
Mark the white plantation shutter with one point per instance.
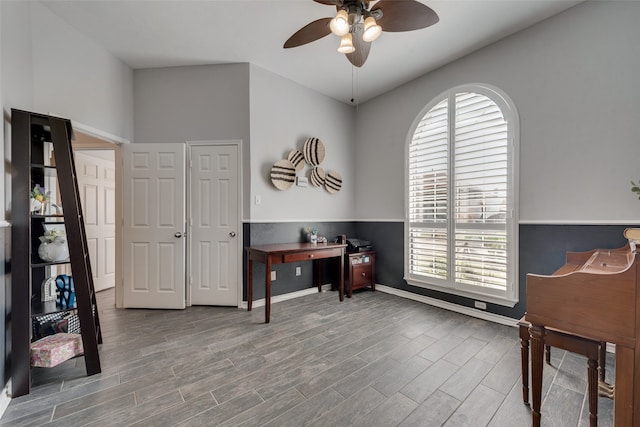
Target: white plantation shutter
point(460, 232)
point(428, 195)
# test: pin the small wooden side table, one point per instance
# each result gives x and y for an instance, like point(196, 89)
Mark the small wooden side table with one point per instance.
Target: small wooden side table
point(361, 271)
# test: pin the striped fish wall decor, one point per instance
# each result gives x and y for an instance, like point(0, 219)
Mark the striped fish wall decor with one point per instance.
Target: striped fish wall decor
point(317, 177)
point(333, 182)
point(313, 151)
point(283, 174)
point(297, 159)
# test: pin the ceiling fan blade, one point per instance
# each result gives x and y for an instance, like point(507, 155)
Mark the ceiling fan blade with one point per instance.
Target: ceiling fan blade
point(329, 2)
point(360, 55)
point(404, 15)
point(309, 33)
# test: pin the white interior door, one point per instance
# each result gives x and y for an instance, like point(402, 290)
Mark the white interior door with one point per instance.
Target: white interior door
point(154, 225)
point(96, 179)
point(214, 235)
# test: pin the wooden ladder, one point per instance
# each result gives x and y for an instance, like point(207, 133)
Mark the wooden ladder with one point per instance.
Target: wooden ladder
point(61, 132)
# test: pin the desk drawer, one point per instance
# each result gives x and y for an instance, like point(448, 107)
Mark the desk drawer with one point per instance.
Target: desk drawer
point(361, 275)
point(311, 255)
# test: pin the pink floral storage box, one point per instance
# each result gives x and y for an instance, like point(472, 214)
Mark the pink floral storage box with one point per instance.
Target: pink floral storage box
point(54, 349)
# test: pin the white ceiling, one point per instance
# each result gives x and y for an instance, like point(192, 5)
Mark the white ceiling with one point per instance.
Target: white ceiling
point(163, 33)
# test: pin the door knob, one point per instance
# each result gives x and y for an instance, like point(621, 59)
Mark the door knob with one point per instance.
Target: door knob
point(178, 234)
point(232, 234)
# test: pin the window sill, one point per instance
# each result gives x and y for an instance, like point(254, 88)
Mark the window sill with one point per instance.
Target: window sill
point(480, 296)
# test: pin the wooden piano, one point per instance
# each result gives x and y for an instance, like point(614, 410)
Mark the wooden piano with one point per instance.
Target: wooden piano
point(596, 294)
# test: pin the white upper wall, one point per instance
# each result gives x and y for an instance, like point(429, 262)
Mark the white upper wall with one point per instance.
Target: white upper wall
point(77, 79)
point(16, 53)
point(48, 67)
point(283, 115)
point(574, 81)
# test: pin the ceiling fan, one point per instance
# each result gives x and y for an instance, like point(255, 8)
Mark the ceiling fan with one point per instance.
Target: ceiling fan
point(357, 25)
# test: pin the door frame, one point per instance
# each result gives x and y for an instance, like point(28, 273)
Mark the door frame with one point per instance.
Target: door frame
point(87, 138)
point(239, 233)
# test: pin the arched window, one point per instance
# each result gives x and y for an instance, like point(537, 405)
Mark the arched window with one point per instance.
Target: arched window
point(461, 213)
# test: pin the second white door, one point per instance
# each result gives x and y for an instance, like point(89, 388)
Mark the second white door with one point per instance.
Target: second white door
point(95, 171)
point(214, 236)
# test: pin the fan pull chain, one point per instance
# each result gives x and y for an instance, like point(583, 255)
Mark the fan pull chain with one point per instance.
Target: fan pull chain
point(354, 86)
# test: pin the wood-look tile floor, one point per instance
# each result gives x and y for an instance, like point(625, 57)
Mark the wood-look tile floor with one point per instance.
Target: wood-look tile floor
point(373, 360)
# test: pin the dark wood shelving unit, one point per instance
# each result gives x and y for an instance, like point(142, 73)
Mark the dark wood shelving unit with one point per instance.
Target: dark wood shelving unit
point(30, 132)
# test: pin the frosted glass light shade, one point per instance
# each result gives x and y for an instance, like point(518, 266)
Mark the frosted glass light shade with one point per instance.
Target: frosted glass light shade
point(371, 30)
point(340, 24)
point(346, 44)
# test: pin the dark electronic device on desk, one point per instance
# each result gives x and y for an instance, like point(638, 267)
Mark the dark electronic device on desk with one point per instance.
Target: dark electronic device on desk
point(354, 245)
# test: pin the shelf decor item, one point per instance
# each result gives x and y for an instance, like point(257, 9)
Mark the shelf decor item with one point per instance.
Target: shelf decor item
point(312, 234)
point(54, 323)
point(53, 247)
point(39, 199)
point(54, 349)
point(48, 292)
point(66, 291)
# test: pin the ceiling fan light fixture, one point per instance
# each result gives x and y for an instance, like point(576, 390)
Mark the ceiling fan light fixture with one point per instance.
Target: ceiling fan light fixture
point(371, 30)
point(346, 44)
point(340, 24)
point(364, 20)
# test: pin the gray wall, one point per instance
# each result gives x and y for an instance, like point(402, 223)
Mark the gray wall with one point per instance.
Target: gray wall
point(179, 104)
point(286, 232)
point(573, 79)
point(5, 297)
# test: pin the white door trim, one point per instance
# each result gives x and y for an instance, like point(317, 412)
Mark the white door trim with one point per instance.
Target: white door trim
point(239, 233)
point(85, 141)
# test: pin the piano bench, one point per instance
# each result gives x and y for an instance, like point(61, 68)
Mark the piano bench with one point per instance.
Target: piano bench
point(594, 350)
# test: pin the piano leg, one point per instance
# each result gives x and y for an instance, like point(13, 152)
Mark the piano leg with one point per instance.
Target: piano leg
point(602, 360)
point(537, 334)
point(593, 392)
point(547, 354)
point(524, 356)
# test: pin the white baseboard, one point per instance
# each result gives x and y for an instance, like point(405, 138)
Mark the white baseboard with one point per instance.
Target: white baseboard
point(4, 398)
point(285, 297)
point(496, 318)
